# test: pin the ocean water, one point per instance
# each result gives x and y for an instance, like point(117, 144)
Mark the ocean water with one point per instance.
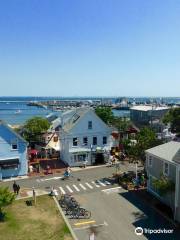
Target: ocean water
point(16, 113)
point(14, 110)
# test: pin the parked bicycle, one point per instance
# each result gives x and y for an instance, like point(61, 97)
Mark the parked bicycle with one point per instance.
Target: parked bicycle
point(65, 199)
point(80, 212)
point(72, 207)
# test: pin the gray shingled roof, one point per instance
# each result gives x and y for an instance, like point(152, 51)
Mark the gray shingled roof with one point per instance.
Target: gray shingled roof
point(169, 151)
point(73, 119)
point(14, 132)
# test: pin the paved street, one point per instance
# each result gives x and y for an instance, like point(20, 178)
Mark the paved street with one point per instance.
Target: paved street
point(84, 176)
point(115, 212)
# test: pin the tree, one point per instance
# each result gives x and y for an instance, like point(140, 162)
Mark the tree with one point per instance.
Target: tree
point(105, 113)
point(122, 124)
point(163, 185)
point(173, 117)
point(6, 198)
point(34, 128)
point(146, 138)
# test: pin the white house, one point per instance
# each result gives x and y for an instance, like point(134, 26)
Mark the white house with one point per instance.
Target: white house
point(84, 137)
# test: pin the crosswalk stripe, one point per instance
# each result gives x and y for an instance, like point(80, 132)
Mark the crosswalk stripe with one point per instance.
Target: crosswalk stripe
point(89, 185)
point(101, 183)
point(38, 180)
point(108, 183)
point(95, 184)
point(83, 187)
point(62, 190)
point(71, 191)
point(77, 189)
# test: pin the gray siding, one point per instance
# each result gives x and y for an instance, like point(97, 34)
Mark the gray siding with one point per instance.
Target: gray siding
point(155, 171)
point(178, 208)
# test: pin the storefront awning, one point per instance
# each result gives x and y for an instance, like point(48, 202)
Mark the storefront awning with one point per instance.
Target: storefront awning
point(79, 150)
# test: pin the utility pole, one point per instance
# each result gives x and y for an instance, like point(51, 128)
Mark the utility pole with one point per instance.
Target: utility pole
point(34, 196)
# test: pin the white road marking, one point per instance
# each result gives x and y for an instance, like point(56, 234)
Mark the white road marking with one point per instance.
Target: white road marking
point(89, 185)
point(62, 190)
point(111, 190)
point(71, 191)
point(83, 187)
point(101, 183)
point(58, 177)
point(48, 179)
point(95, 184)
point(107, 183)
point(95, 225)
point(77, 189)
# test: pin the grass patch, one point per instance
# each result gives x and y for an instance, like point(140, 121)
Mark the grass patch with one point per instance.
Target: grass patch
point(40, 222)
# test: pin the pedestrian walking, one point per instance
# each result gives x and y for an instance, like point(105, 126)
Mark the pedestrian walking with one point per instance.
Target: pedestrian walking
point(18, 189)
point(85, 163)
point(15, 187)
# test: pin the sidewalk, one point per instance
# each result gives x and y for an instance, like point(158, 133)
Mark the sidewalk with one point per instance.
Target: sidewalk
point(28, 192)
point(14, 178)
point(75, 169)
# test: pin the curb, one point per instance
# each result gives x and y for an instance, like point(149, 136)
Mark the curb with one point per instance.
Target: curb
point(65, 219)
point(15, 178)
point(76, 169)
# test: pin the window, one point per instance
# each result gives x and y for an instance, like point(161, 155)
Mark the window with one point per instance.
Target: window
point(80, 158)
point(9, 163)
point(75, 142)
point(55, 139)
point(85, 141)
point(89, 124)
point(104, 140)
point(166, 168)
point(14, 145)
point(150, 161)
point(151, 185)
point(94, 140)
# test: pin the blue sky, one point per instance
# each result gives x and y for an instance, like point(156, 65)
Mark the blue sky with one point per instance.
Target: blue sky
point(90, 48)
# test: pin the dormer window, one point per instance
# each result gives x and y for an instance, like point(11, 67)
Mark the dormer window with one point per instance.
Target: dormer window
point(14, 145)
point(89, 124)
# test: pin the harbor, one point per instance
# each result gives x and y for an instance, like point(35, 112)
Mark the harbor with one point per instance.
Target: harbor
point(17, 110)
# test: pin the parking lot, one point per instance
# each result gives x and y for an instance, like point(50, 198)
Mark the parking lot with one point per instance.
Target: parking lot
point(116, 213)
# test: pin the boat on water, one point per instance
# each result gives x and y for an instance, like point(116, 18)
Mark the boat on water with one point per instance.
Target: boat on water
point(18, 111)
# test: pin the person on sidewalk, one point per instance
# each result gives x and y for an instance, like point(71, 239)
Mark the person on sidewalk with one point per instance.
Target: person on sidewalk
point(18, 189)
point(85, 163)
point(15, 187)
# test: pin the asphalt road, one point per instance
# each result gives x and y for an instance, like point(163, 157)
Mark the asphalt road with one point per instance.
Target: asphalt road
point(115, 212)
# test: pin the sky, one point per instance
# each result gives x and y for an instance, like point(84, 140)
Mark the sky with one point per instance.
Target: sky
point(90, 48)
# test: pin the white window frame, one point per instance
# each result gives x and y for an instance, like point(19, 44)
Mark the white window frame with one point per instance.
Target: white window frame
point(76, 142)
point(164, 164)
point(150, 161)
point(105, 137)
point(93, 141)
point(85, 143)
point(90, 125)
point(14, 142)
